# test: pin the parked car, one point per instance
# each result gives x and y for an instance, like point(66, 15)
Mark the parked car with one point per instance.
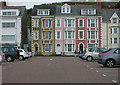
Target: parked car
point(22, 54)
point(10, 53)
point(110, 57)
point(2, 56)
point(92, 54)
point(30, 54)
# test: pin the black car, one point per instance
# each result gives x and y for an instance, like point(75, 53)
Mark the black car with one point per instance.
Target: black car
point(10, 52)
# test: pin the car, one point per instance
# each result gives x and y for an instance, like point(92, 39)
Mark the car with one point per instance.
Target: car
point(22, 54)
point(30, 54)
point(92, 53)
point(10, 53)
point(110, 58)
point(2, 56)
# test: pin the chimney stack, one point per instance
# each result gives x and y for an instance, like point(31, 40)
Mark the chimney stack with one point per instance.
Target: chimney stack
point(2, 3)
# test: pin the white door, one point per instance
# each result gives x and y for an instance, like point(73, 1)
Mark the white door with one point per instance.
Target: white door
point(58, 49)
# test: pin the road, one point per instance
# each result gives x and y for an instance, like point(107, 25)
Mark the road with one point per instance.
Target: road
point(57, 70)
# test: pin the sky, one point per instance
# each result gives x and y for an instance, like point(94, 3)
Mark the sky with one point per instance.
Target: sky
point(30, 3)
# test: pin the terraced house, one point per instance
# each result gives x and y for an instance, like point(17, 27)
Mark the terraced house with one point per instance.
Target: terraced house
point(111, 28)
point(64, 29)
point(13, 25)
point(77, 27)
point(43, 30)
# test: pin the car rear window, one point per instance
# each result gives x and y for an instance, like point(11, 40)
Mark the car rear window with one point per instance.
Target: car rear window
point(20, 50)
point(12, 49)
point(107, 51)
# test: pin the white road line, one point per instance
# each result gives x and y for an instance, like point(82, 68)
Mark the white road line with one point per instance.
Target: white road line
point(104, 75)
point(96, 70)
point(114, 81)
point(91, 68)
point(51, 59)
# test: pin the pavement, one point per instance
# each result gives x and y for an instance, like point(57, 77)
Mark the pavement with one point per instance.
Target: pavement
point(57, 70)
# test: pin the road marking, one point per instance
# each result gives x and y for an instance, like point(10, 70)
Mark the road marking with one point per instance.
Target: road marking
point(114, 81)
point(104, 75)
point(91, 68)
point(51, 59)
point(96, 70)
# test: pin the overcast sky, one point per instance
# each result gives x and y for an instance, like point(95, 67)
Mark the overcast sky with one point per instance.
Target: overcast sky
point(30, 3)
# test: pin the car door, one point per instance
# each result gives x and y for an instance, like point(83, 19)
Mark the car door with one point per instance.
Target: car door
point(116, 56)
point(5, 50)
point(119, 56)
point(96, 53)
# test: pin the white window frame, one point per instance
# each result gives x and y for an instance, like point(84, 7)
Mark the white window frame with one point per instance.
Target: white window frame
point(13, 12)
point(47, 48)
point(8, 23)
point(79, 22)
point(72, 34)
point(95, 22)
point(7, 38)
point(115, 21)
point(116, 40)
point(57, 23)
point(47, 25)
point(35, 23)
point(57, 35)
point(66, 9)
point(47, 33)
point(72, 23)
point(96, 35)
point(43, 12)
point(35, 35)
point(66, 47)
point(79, 35)
point(87, 11)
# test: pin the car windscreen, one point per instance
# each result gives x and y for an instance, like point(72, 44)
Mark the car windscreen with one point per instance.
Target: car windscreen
point(91, 50)
point(106, 51)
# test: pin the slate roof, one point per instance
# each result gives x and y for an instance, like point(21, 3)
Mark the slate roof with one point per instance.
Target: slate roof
point(20, 8)
point(56, 9)
point(107, 14)
point(75, 11)
point(51, 7)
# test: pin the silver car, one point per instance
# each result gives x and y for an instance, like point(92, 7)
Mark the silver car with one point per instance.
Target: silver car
point(93, 53)
point(110, 57)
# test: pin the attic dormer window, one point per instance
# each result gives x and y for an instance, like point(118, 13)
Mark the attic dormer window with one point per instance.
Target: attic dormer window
point(88, 11)
point(43, 12)
point(12, 12)
point(66, 9)
point(114, 19)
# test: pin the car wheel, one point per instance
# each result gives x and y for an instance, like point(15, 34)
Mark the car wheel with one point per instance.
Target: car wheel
point(21, 58)
point(110, 63)
point(9, 59)
point(89, 58)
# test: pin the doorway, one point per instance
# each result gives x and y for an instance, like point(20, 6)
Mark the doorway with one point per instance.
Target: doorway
point(36, 49)
point(81, 47)
point(58, 49)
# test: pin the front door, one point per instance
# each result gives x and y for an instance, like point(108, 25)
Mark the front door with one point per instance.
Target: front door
point(81, 47)
point(36, 49)
point(58, 49)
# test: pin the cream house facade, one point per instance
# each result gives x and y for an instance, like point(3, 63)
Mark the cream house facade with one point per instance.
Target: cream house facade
point(111, 28)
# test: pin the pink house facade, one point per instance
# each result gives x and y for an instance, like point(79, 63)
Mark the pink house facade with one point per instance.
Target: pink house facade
point(77, 27)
